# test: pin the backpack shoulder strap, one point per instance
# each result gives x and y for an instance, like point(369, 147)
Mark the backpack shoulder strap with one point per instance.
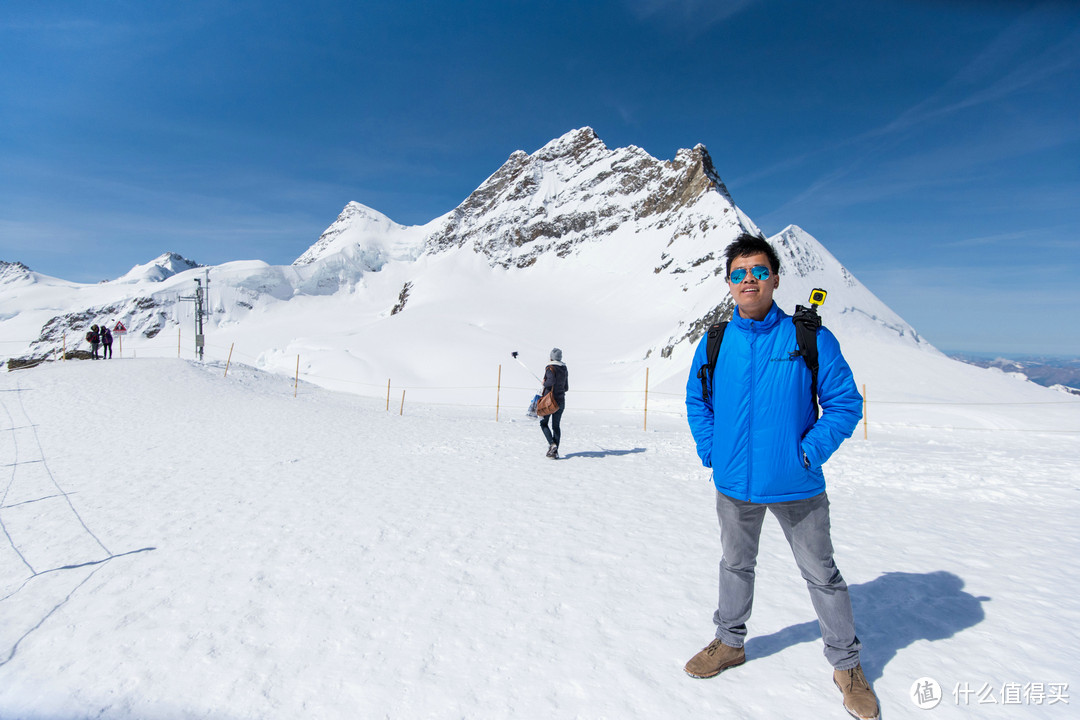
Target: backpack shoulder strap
point(807, 322)
point(712, 351)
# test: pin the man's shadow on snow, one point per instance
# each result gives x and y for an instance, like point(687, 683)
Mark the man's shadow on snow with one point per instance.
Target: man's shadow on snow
point(891, 613)
point(602, 453)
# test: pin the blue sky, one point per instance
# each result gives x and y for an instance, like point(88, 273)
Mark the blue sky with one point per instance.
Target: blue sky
point(933, 146)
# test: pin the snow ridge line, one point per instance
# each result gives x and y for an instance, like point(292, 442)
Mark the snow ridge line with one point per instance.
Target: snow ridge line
point(62, 603)
point(74, 566)
point(61, 490)
point(11, 481)
point(28, 502)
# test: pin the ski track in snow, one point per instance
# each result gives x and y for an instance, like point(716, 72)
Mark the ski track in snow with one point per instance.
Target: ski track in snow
point(260, 556)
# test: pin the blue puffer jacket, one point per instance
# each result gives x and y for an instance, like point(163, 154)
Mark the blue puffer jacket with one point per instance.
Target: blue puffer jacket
point(759, 421)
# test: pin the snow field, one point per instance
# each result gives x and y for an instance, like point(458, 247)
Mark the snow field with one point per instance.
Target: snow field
point(319, 557)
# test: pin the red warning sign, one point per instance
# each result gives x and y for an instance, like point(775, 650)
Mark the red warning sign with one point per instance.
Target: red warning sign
point(119, 327)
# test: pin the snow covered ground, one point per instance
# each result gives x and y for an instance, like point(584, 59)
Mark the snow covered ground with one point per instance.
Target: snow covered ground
point(186, 545)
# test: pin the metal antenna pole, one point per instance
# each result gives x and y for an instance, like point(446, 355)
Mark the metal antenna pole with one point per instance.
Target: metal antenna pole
point(199, 302)
point(199, 337)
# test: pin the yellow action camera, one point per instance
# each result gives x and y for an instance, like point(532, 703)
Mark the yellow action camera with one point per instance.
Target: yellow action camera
point(817, 296)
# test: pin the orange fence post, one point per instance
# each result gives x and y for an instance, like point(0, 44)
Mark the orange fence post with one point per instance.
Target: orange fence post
point(498, 393)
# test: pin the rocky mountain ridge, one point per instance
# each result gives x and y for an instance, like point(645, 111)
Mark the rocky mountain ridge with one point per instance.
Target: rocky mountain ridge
point(575, 190)
point(573, 232)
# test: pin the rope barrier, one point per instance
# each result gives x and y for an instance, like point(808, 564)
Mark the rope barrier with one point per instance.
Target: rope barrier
point(942, 402)
point(906, 426)
point(316, 378)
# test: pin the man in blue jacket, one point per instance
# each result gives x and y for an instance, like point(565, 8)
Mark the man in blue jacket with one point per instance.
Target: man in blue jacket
point(759, 433)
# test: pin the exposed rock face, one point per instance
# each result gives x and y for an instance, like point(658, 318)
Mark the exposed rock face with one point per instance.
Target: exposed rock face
point(575, 190)
point(697, 328)
point(622, 237)
point(13, 271)
point(144, 315)
point(402, 299)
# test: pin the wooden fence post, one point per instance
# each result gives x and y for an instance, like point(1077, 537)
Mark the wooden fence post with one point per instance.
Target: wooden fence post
point(646, 426)
point(229, 361)
point(387, 394)
point(402, 410)
point(498, 393)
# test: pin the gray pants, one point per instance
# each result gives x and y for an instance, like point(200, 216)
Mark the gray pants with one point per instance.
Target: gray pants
point(806, 525)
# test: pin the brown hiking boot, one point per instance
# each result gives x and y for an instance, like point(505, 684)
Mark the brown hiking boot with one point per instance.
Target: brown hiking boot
point(713, 659)
point(859, 700)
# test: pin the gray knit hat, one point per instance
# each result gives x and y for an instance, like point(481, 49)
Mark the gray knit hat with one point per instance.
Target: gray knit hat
point(556, 354)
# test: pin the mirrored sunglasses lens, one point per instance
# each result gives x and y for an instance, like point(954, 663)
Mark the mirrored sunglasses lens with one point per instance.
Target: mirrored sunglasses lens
point(761, 272)
point(737, 276)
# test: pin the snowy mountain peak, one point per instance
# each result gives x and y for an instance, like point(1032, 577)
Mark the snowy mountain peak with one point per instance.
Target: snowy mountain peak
point(361, 240)
point(702, 162)
point(610, 252)
point(575, 145)
point(850, 307)
point(575, 191)
point(13, 272)
point(800, 254)
point(359, 228)
point(160, 268)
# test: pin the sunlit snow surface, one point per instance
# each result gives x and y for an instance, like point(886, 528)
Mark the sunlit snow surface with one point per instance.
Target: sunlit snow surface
point(317, 556)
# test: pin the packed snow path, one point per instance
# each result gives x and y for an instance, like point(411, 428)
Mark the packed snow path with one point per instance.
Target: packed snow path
point(320, 557)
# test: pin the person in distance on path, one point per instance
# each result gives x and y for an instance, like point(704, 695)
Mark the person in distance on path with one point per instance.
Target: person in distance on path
point(758, 432)
point(556, 379)
point(106, 342)
point(94, 338)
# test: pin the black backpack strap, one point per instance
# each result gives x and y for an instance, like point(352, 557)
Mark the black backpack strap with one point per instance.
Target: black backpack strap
point(807, 322)
point(712, 351)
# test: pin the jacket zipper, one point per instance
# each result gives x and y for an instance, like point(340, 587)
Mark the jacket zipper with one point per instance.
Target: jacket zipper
point(750, 419)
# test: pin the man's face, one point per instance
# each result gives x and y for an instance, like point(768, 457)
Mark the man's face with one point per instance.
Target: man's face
point(753, 296)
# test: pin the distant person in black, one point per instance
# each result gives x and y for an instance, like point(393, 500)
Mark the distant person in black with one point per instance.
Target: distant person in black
point(106, 343)
point(556, 379)
point(94, 338)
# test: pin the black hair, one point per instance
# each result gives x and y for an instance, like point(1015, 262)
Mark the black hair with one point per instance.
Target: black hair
point(747, 244)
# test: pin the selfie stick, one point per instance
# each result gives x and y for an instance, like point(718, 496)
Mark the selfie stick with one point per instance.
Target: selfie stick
point(515, 356)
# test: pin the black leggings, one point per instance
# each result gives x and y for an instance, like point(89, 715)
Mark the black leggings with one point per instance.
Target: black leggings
point(555, 433)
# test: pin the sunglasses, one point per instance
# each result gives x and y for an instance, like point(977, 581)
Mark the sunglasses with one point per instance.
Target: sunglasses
point(759, 271)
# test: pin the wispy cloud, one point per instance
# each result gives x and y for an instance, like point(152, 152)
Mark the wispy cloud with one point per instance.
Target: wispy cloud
point(1003, 70)
point(1043, 238)
point(992, 76)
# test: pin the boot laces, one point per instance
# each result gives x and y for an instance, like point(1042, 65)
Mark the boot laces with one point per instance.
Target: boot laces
point(855, 675)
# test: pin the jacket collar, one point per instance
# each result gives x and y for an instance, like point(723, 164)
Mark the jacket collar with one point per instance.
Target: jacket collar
point(772, 319)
